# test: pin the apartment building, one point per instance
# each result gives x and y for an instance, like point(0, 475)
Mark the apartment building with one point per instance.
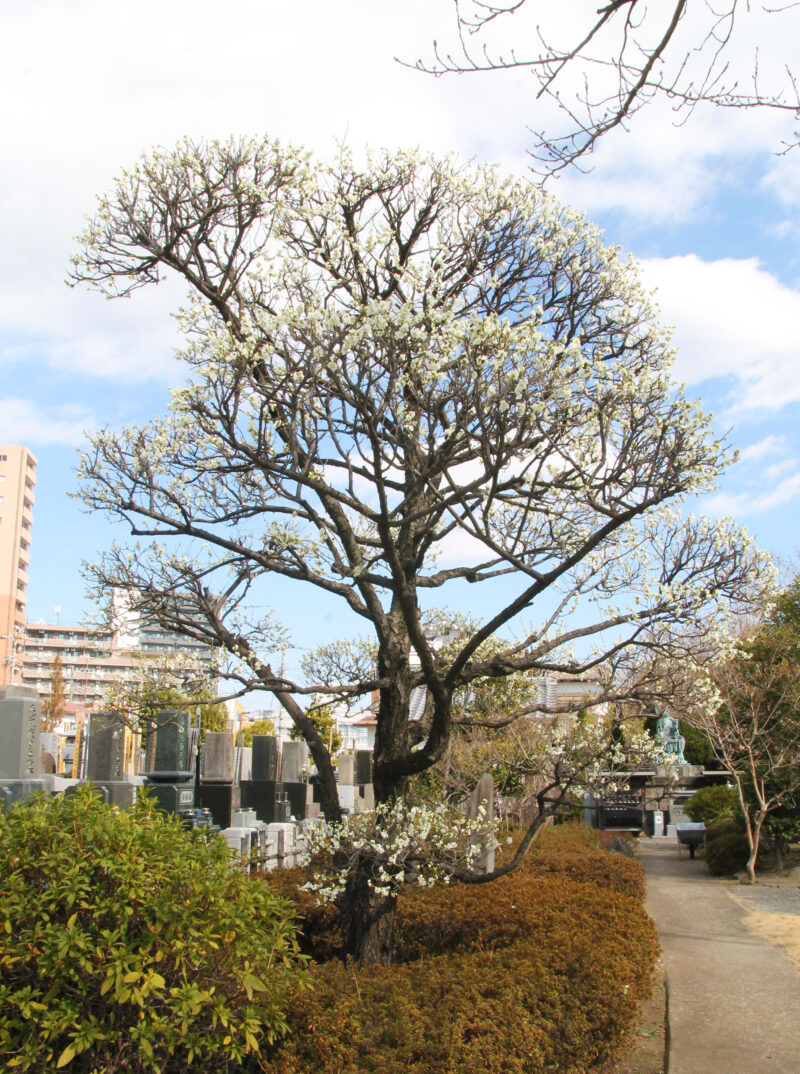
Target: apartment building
point(17, 481)
point(93, 659)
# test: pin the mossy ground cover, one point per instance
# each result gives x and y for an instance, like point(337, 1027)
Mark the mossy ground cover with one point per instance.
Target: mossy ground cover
point(543, 970)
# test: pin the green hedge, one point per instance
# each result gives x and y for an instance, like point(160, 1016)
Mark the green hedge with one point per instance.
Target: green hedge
point(130, 944)
point(726, 847)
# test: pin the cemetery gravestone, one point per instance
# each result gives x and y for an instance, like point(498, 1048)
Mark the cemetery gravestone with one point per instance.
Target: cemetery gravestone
point(345, 769)
point(171, 780)
point(49, 742)
point(20, 744)
point(264, 759)
point(294, 758)
point(363, 767)
point(218, 791)
point(217, 757)
point(483, 796)
point(105, 747)
point(105, 762)
point(273, 799)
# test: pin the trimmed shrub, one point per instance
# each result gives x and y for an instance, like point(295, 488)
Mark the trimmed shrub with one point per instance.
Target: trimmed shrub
point(574, 850)
point(548, 976)
point(319, 935)
point(710, 804)
point(726, 848)
point(128, 943)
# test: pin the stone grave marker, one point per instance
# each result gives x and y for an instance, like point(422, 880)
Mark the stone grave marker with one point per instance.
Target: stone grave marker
point(49, 742)
point(483, 795)
point(171, 780)
point(216, 764)
point(218, 790)
point(20, 744)
point(345, 769)
point(105, 761)
point(363, 767)
point(294, 758)
point(105, 747)
point(264, 758)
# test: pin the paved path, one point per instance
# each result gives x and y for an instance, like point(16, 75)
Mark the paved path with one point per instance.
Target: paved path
point(733, 999)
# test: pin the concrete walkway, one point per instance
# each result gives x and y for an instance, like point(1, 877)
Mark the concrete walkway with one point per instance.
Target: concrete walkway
point(733, 1000)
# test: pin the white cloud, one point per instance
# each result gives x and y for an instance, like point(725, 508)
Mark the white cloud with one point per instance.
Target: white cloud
point(23, 422)
point(770, 445)
point(732, 319)
point(78, 332)
point(741, 504)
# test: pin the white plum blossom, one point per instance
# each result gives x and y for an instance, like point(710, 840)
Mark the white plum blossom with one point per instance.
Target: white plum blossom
point(398, 845)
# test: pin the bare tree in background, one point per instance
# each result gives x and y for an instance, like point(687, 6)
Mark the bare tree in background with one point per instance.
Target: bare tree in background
point(603, 64)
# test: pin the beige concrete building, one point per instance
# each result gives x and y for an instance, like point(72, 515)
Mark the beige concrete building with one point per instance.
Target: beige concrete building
point(17, 480)
point(93, 659)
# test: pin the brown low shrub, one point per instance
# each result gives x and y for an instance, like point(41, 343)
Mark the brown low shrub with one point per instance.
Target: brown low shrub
point(550, 981)
point(539, 971)
point(435, 921)
point(574, 850)
point(319, 935)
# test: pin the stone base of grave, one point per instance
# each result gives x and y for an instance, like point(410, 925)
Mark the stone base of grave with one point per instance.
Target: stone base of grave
point(117, 792)
point(172, 797)
point(17, 790)
point(222, 799)
point(274, 802)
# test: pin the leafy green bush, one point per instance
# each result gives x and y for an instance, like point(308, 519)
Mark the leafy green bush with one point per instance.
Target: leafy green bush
point(545, 976)
point(726, 847)
point(710, 804)
point(128, 943)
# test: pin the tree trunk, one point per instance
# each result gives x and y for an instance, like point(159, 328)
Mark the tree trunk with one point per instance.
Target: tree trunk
point(367, 919)
point(753, 840)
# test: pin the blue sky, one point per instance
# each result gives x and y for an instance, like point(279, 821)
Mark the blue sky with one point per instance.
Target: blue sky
point(708, 208)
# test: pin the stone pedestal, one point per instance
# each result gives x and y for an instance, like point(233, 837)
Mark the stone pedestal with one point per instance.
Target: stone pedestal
point(274, 801)
point(347, 797)
point(17, 790)
point(172, 797)
point(222, 799)
point(119, 793)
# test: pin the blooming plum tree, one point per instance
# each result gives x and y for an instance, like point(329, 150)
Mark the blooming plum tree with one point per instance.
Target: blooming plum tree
point(406, 379)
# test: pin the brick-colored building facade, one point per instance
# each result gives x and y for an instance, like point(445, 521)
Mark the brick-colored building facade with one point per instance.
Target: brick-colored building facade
point(17, 480)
